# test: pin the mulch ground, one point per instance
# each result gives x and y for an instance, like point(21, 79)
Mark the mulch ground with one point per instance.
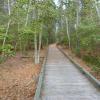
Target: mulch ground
point(18, 77)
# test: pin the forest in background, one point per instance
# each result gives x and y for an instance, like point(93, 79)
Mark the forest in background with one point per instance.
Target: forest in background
point(32, 24)
point(24, 25)
point(79, 30)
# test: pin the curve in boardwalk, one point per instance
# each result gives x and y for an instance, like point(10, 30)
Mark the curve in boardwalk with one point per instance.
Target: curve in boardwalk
point(63, 81)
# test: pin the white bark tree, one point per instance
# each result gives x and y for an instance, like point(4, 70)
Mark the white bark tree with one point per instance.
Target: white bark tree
point(36, 49)
point(7, 29)
point(68, 35)
point(97, 8)
point(77, 13)
point(27, 16)
point(40, 42)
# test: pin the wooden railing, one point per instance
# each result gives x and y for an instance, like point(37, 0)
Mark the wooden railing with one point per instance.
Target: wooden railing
point(86, 73)
point(40, 81)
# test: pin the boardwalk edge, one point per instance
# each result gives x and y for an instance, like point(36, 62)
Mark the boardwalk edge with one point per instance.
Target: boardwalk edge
point(40, 80)
point(95, 82)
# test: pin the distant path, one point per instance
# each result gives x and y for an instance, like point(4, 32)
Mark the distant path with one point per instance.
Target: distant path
point(63, 81)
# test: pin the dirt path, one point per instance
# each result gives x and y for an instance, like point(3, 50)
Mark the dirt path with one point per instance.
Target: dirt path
point(18, 77)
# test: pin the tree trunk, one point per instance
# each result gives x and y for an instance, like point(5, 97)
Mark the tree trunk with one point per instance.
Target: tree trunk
point(97, 9)
point(40, 42)
point(28, 12)
point(68, 32)
point(7, 29)
point(36, 49)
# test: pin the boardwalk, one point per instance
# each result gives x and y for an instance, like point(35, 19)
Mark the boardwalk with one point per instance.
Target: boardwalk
point(63, 81)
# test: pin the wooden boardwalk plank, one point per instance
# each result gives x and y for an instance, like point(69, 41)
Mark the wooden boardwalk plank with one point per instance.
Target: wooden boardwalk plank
point(63, 81)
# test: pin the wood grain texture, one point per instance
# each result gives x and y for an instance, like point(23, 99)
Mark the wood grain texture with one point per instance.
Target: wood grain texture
point(63, 81)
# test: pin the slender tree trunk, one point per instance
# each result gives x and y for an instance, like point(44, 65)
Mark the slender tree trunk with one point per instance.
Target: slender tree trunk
point(36, 59)
point(7, 29)
point(36, 49)
point(40, 42)
point(67, 25)
point(56, 33)
point(97, 9)
point(17, 28)
point(26, 22)
point(77, 18)
point(77, 24)
point(9, 11)
point(27, 17)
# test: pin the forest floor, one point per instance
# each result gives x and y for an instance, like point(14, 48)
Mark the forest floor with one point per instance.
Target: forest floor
point(81, 62)
point(18, 77)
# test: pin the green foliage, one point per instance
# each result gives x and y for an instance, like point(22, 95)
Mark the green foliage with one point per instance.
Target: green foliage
point(15, 34)
point(94, 62)
point(89, 45)
point(64, 40)
point(7, 50)
point(26, 38)
point(84, 30)
point(89, 36)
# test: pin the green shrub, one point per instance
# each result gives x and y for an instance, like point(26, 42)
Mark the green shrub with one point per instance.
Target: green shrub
point(89, 44)
point(64, 40)
point(8, 50)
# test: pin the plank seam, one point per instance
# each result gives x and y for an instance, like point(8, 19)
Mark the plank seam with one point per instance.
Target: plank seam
point(91, 78)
